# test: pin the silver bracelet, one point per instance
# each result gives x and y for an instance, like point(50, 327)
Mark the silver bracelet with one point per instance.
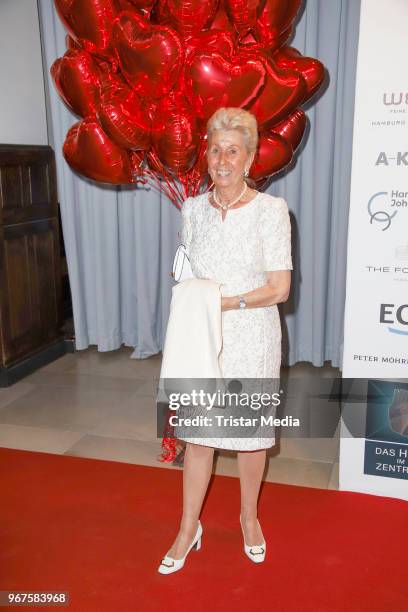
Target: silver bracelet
point(242, 302)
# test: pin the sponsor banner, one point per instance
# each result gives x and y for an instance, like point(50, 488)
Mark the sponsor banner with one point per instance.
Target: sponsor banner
point(386, 459)
point(386, 445)
point(376, 315)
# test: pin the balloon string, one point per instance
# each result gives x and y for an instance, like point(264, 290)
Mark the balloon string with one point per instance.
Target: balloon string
point(163, 172)
point(176, 196)
point(177, 190)
point(156, 184)
point(180, 190)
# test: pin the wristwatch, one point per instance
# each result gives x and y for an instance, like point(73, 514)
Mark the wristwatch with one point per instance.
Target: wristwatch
point(242, 302)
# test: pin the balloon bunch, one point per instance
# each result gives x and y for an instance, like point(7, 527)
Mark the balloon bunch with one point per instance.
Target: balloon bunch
point(146, 75)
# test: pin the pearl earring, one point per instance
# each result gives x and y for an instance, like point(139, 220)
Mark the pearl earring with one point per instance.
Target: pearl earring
point(246, 173)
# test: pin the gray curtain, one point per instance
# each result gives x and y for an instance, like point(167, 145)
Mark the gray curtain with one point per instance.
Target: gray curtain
point(317, 188)
point(120, 242)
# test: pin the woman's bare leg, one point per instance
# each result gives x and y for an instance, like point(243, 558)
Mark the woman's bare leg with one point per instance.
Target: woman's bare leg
point(251, 465)
point(198, 463)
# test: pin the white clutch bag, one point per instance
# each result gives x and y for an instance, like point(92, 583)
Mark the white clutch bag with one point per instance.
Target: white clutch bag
point(181, 265)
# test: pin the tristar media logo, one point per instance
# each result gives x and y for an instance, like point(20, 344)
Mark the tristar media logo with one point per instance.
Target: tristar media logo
point(395, 317)
point(384, 205)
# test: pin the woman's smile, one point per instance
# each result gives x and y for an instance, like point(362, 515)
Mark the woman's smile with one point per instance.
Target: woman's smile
point(227, 159)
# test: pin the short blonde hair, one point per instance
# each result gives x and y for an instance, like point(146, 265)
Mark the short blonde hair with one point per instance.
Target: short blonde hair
point(235, 119)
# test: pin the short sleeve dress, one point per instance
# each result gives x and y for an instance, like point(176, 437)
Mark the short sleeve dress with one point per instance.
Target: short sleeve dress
point(237, 252)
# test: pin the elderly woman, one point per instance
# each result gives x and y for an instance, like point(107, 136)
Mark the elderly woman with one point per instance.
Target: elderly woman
point(241, 237)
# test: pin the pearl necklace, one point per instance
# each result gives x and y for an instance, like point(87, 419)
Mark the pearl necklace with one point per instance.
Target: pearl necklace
point(227, 206)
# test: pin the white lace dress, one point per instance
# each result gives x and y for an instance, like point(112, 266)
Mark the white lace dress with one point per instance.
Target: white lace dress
point(237, 252)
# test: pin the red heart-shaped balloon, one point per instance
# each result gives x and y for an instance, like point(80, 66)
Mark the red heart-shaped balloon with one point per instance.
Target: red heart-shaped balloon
point(71, 43)
point(273, 154)
point(248, 41)
point(143, 6)
point(78, 78)
point(197, 179)
point(222, 22)
point(175, 137)
point(148, 74)
point(150, 56)
point(211, 40)
point(201, 163)
point(122, 115)
point(311, 69)
point(160, 14)
point(284, 90)
point(244, 13)
point(191, 16)
point(213, 81)
point(89, 22)
point(292, 128)
point(89, 151)
point(274, 25)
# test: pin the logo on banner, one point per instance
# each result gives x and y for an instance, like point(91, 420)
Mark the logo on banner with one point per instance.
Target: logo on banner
point(393, 103)
point(399, 267)
point(395, 316)
point(392, 98)
point(400, 159)
point(386, 448)
point(380, 206)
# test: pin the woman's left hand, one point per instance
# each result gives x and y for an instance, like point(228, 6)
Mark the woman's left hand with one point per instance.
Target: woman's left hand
point(275, 291)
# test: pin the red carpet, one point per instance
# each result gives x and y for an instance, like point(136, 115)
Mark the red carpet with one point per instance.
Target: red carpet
point(98, 529)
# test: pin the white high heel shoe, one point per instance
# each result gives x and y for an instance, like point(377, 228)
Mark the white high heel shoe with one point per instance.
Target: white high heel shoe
point(169, 565)
point(255, 553)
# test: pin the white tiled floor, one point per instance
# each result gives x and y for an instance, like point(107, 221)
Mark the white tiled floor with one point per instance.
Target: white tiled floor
point(102, 405)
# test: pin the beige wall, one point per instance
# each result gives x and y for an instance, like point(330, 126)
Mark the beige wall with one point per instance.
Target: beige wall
point(22, 100)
